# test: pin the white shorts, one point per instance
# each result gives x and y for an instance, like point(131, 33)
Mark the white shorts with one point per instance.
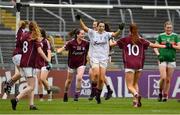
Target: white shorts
point(132, 70)
point(44, 68)
point(17, 59)
point(70, 70)
point(98, 63)
point(168, 64)
point(28, 72)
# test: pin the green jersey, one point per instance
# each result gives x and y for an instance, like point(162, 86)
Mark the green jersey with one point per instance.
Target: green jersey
point(168, 54)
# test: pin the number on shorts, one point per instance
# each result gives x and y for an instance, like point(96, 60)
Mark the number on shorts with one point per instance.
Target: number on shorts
point(25, 46)
point(131, 49)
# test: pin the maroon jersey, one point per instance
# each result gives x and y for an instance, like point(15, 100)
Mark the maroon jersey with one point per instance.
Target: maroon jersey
point(77, 53)
point(29, 51)
point(18, 48)
point(45, 45)
point(133, 54)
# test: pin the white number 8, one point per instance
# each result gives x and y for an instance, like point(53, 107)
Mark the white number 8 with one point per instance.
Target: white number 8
point(25, 46)
point(131, 49)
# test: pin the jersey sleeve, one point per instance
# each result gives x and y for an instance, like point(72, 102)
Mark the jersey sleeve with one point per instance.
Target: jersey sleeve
point(158, 40)
point(145, 43)
point(90, 33)
point(120, 43)
point(48, 45)
point(37, 44)
point(109, 35)
point(67, 45)
point(177, 38)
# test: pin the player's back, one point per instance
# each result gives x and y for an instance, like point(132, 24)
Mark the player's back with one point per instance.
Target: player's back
point(29, 51)
point(133, 53)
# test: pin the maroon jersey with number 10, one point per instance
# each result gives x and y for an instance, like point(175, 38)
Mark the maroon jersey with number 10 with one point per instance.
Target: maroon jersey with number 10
point(133, 54)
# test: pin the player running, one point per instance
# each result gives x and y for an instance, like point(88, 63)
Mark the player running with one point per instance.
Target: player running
point(133, 48)
point(77, 59)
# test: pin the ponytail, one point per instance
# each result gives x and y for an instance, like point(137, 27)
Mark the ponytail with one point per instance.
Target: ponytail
point(134, 33)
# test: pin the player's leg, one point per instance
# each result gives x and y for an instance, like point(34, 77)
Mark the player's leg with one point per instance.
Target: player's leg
point(93, 84)
point(40, 85)
point(136, 86)
point(44, 75)
point(170, 71)
point(109, 93)
point(162, 70)
point(102, 73)
point(79, 75)
point(68, 83)
point(129, 78)
point(14, 78)
point(16, 60)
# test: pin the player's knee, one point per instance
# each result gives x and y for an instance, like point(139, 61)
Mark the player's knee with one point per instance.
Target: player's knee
point(79, 79)
point(31, 88)
point(68, 81)
point(101, 81)
point(167, 81)
point(43, 79)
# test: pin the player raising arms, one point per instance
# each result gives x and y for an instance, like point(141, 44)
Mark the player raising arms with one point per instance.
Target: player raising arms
point(94, 80)
point(133, 48)
point(77, 59)
point(98, 52)
point(30, 46)
point(167, 59)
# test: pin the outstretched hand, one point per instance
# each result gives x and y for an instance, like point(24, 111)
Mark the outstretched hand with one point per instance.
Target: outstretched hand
point(121, 26)
point(78, 17)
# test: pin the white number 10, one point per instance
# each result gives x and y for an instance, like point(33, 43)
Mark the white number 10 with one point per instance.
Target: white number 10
point(131, 49)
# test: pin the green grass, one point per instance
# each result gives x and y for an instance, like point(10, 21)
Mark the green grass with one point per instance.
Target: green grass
point(83, 106)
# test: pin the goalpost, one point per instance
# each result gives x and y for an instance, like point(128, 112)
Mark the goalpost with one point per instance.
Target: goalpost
point(19, 5)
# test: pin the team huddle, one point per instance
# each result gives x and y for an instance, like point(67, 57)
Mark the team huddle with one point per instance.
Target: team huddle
point(32, 58)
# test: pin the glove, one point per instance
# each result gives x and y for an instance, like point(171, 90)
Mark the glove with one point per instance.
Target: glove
point(121, 26)
point(168, 45)
point(49, 66)
point(78, 17)
point(160, 58)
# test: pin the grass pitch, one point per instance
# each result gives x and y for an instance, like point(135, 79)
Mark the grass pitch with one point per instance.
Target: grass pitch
point(84, 106)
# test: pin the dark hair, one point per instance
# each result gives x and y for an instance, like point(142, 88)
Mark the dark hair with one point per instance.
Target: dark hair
point(43, 33)
point(74, 33)
point(100, 21)
point(134, 33)
point(107, 27)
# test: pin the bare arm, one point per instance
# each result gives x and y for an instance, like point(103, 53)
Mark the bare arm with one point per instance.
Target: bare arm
point(176, 46)
point(59, 50)
point(156, 46)
point(40, 51)
point(117, 33)
point(83, 26)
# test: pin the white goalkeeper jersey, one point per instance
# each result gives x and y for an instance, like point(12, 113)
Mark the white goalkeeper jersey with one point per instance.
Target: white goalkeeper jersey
point(99, 44)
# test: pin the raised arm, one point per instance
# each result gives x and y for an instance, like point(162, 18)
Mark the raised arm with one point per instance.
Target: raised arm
point(82, 24)
point(120, 29)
